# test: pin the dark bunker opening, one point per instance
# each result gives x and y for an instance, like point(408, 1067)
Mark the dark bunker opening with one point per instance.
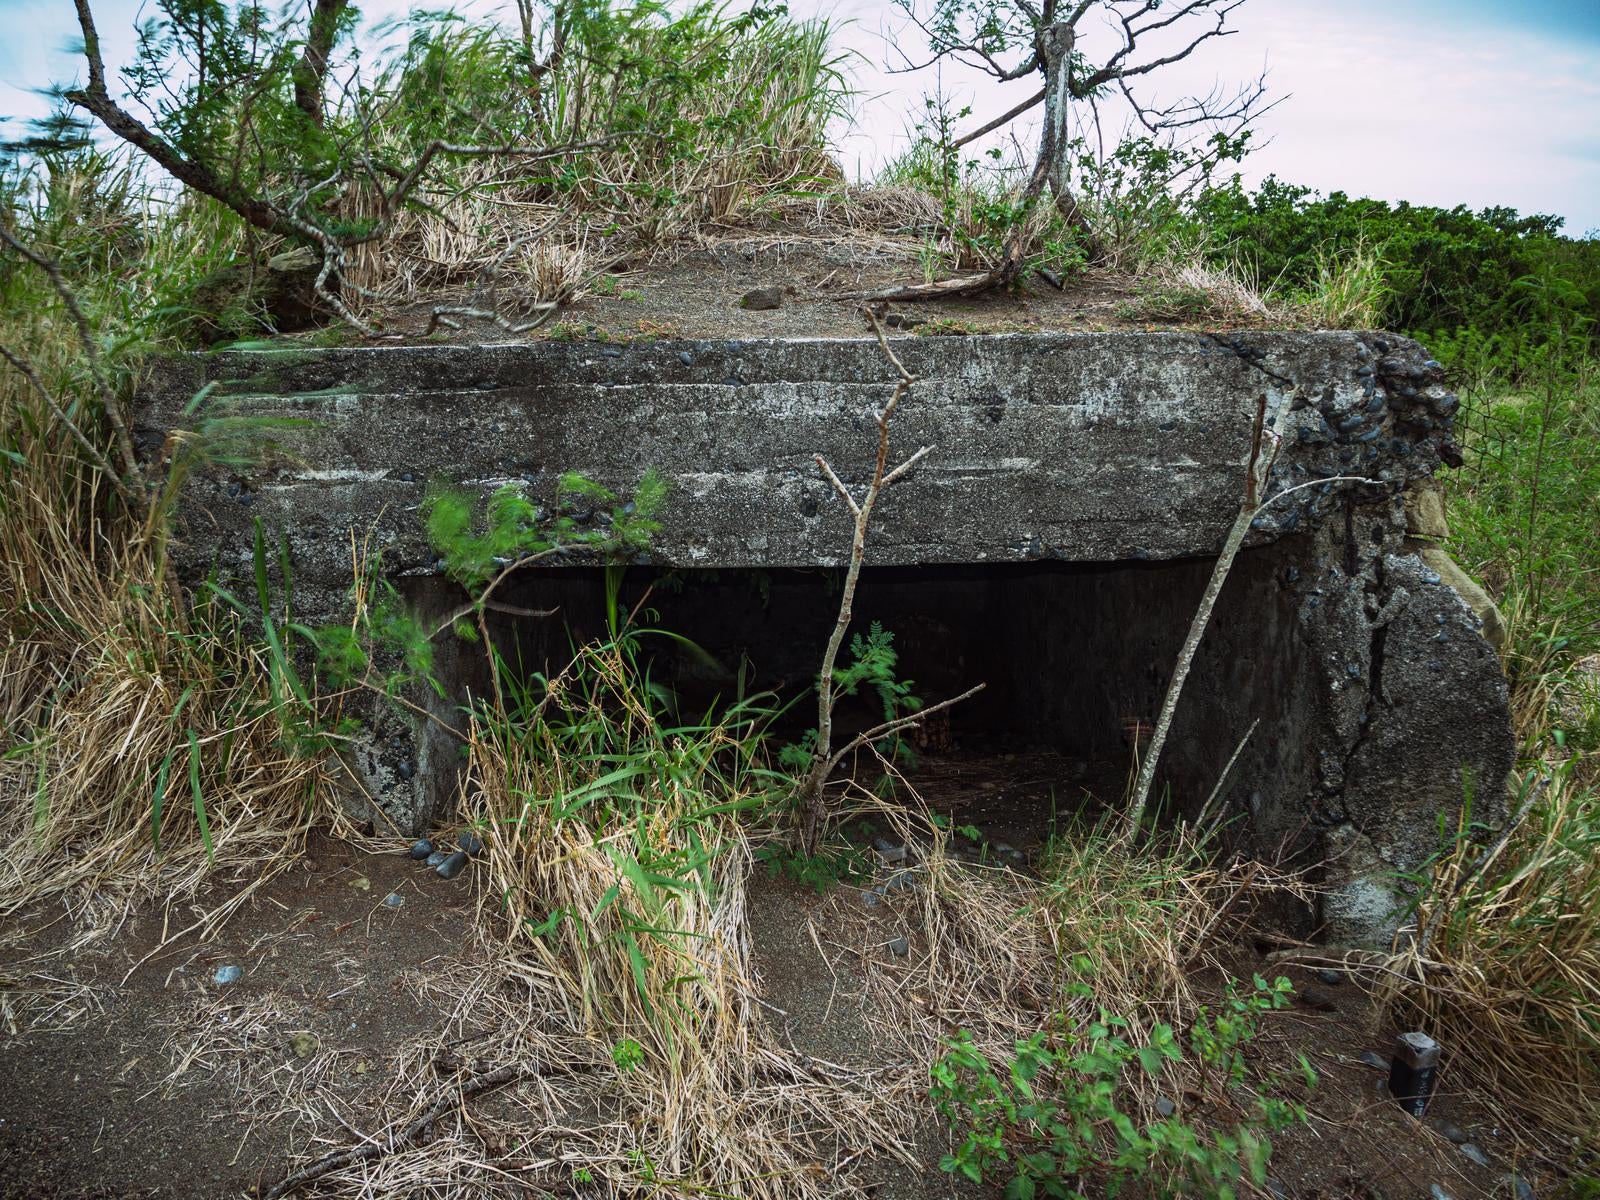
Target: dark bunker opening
point(1074, 660)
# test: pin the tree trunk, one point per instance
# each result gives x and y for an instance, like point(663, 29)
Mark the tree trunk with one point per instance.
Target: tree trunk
point(312, 71)
point(1055, 159)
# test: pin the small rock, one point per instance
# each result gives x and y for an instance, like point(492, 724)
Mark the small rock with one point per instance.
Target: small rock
point(1164, 1107)
point(762, 298)
point(1451, 1132)
point(1519, 1187)
point(361, 883)
point(227, 975)
point(870, 898)
point(1009, 852)
point(1276, 1189)
point(686, 358)
point(1473, 1151)
point(471, 843)
point(303, 1045)
point(1371, 1058)
point(899, 881)
point(890, 852)
point(899, 947)
point(421, 848)
point(1330, 977)
point(437, 857)
point(404, 769)
point(1438, 1193)
point(1315, 997)
point(393, 900)
point(452, 866)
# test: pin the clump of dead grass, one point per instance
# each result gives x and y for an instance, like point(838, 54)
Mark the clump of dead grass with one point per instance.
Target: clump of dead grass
point(142, 743)
point(1184, 286)
point(1507, 976)
point(1101, 926)
point(615, 884)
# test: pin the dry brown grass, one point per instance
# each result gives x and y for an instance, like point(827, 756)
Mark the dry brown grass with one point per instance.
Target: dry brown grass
point(117, 702)
point(1100, 927)
point(622, 917)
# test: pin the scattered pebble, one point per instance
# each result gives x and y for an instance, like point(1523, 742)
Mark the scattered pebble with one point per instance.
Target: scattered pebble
point(227, 975)
point(1278, 1191)
point(1009, 852)
point(393, 900)
point(421, 848)
point(869, 898)
point(1451, 1132)
point(1371, 1058)
point(1473, 1151)
point(452, 866)
point(1438, 1193)
point(437, 857)
point(471, 843)
point(899, 947)
point(1519, 1186)
point(1315, 997)
point(899, 881)
point(1164, 1107)
point(1330, 977)
point(304, 1045)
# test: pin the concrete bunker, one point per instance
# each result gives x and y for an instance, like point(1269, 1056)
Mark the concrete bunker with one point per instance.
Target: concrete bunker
point(1052, 545)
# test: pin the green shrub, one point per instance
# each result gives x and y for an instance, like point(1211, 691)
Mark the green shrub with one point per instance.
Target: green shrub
point(1055, 1117)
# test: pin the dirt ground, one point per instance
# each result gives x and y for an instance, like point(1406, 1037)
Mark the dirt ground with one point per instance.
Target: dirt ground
point(821, 276)
point(126, 1069)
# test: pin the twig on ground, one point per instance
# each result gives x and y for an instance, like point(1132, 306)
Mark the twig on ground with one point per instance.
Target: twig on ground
point(373, 1148)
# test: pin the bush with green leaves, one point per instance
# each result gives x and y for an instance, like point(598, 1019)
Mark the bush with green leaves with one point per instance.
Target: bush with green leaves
point(479, 548)
point(1056, 1118)
point(1444, 270)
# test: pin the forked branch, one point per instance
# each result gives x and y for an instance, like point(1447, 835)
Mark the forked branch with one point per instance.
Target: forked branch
point(1264, 445)
point(824, 758)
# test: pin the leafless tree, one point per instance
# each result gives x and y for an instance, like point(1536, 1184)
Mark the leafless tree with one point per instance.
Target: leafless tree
point(825, 759)
point(1051, 41)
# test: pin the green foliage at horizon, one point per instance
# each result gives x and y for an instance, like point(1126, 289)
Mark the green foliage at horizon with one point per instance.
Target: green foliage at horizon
point(1446, 271)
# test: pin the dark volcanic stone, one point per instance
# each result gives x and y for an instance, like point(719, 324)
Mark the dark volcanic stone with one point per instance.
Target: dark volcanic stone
point(762, 298)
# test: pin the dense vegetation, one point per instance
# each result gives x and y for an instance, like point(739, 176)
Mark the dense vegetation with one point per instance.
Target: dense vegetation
point(150, 736)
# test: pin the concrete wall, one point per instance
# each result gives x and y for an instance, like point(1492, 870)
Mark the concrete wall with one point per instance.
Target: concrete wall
point(1371, 681)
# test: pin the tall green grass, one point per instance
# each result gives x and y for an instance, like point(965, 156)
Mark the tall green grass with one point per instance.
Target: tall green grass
point(1516, 917)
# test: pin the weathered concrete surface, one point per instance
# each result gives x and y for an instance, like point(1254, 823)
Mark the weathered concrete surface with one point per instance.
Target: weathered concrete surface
point(1369, 676)
point(1078, 447)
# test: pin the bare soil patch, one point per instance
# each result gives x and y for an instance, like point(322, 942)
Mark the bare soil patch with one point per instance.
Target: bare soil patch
point(712, 288)
point(163, 1083)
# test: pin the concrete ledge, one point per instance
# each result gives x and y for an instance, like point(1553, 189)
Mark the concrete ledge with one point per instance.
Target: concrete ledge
point(1078, 447)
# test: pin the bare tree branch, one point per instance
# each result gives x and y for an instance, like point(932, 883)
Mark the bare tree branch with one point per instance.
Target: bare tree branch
point(824, 759)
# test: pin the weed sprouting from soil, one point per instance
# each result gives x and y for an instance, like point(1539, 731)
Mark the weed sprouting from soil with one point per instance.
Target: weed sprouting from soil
point(618, 849)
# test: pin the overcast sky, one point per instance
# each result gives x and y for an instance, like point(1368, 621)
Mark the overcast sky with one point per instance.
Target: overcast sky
point(1434, 101)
